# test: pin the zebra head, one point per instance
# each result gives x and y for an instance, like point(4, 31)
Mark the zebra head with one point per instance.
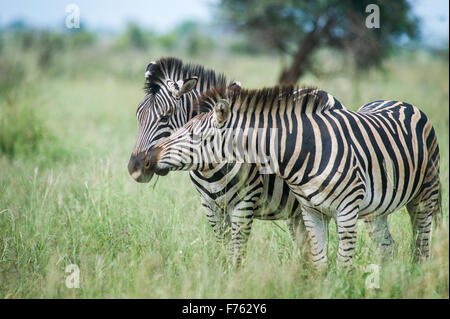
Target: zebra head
point(200, 143)
point(159, 114)
point(171, 88)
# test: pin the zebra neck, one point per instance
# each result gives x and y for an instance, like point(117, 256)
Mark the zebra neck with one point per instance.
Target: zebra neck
point(189, 106)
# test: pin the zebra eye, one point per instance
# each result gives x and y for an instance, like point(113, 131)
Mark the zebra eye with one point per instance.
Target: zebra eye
point(164, 118)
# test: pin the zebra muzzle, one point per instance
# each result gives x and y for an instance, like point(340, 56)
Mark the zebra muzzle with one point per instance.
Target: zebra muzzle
point(137, 170)
point(151, 160)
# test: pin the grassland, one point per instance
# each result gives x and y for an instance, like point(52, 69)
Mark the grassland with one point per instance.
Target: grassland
point(71, 201)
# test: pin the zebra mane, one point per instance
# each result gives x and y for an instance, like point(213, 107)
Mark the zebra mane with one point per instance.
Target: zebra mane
point(309, 99)
point(174, 69)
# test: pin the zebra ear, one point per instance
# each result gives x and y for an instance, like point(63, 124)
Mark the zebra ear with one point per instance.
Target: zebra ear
point(188, 85)
point(221, 110)
point(235, 85)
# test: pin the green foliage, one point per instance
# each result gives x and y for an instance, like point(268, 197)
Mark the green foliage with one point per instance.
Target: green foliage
point(46, 43)
point(169, 40)
point(134, 37)
point(197, 44)
point(134, 240)
point(299, 27)
point(53, 42)
point(186, 28)
point(23, 129)
point(20, 129)
point(241, 46)
point(80, 39)
point(50, 44)
point(189, 36)
point(11, 75)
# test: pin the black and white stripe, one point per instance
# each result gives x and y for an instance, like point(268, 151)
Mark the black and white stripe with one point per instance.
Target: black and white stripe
point(233, 194)
point(340, 164)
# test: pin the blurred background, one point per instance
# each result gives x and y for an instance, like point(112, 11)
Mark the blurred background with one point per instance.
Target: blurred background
point(260, 43)
point(71, 78)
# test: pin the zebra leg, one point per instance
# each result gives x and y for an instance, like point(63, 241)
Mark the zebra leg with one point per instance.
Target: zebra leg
point(241, 225)
point(421, 225)
point(220, 223)
point(346, 222)
point(425, 207)
point(298, 232)
point(317, 227)
point(420, 213)
point(379, 232)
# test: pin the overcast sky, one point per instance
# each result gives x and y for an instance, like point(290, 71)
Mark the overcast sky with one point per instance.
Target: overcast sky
point(164, 15)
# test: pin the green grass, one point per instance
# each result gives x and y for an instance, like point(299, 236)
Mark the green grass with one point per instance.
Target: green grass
point(134, 240)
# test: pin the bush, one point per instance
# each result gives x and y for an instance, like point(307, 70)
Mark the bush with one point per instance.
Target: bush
point(11, 75)
point(49, 45)
point(168, 41)
point(133, 37)
point(81, 39)
point(197, 43)
point(20, 128)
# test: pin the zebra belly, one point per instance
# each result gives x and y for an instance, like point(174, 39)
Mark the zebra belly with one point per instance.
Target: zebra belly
point(277, 201)
point(225, 188)
point(385, 201)
point(396, 175)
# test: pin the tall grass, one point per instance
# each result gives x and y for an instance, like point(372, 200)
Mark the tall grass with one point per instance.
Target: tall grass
point(134, 240)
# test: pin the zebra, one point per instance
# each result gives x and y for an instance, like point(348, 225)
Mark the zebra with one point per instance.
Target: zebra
point(232, 194)
point(339, 163)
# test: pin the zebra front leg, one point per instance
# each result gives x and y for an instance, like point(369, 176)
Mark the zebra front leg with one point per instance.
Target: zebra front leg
point(220, 223)
point(241, 225)
point(346, 221)
point(316, 225)
point(379, 232)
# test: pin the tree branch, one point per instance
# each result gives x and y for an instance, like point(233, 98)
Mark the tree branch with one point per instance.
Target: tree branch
point(306, 47)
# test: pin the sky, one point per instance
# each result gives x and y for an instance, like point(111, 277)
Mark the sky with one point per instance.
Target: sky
point(162, 16)
point(108, 14)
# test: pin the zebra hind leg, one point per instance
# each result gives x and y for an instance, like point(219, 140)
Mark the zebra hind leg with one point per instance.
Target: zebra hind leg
point(426, 205)
point(346, 221)
point(421, 211)
point(379, 232)
point(421, 225)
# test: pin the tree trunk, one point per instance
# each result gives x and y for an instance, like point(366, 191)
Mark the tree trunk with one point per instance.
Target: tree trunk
point(301, 58)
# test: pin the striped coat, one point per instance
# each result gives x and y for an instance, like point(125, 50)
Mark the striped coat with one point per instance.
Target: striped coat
point(232, 194)
point(339, 164)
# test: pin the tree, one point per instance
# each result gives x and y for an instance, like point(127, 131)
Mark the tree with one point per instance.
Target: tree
point(300, 27)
